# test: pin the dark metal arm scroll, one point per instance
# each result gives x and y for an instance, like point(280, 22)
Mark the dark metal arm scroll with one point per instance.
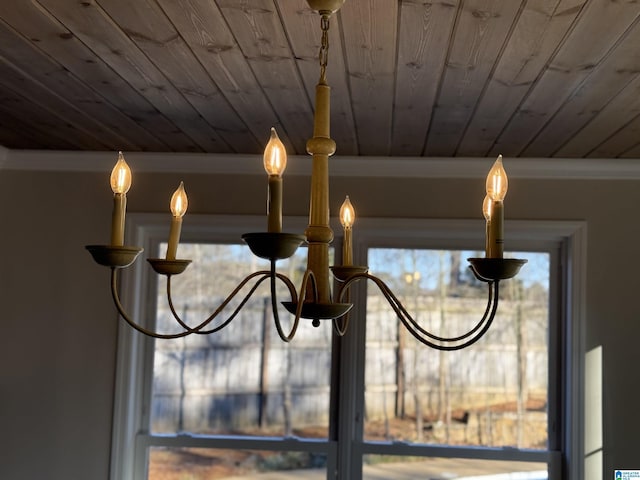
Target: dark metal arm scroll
point(417, 331)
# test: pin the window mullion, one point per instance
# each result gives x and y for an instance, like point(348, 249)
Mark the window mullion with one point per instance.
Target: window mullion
point(351, 387)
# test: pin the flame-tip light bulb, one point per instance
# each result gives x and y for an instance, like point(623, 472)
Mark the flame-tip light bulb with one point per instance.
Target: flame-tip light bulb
point(120, 184)
point(496, 185)
point(179, 204)
point(347, 217)
point(275, 161)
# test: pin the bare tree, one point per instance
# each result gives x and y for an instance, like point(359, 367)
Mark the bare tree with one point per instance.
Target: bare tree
point(444, 400)
point(413, 280)
point(521, 348)
point(454, 271)
point(401, 336)
point(286, 403)
point(264, 365)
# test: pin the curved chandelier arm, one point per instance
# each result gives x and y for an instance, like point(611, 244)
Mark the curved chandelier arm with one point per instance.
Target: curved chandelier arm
point(422, 335)
point(263, 274)
point(198, 329)
point(341, 330)
point(471, 337)
point(123, 314)
point(307, 277)
point(342, 295)
point(490, 305)
point(340, 325)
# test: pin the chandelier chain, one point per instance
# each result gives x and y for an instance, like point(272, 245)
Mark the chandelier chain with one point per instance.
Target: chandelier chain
point(323, 56)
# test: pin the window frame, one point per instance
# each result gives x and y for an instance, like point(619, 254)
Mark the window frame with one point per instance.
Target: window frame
point(565, 240)
point(134, 369)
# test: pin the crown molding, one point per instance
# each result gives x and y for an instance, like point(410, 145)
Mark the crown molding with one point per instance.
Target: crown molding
point(341, 166)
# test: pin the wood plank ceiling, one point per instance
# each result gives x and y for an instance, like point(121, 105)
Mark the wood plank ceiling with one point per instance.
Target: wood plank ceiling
point(531, 78)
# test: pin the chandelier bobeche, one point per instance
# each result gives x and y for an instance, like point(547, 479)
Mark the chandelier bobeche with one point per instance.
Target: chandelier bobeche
point(314, 299)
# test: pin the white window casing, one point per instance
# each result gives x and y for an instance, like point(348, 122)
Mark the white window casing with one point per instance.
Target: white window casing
point(565, 240)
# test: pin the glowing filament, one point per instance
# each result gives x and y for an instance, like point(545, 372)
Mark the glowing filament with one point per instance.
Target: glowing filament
point(179, 201)
point(347, 213)
point(497, 181)
point(121, 176)
point(275, 155)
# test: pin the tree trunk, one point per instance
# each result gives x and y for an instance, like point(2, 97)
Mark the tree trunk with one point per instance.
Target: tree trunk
point(400, 372)
point(286, 404)
point(444, 409)
point(264, 366)
point(521, 341)
point(454, 272)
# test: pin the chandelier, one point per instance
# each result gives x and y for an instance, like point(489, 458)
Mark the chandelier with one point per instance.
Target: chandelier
point(314, 298)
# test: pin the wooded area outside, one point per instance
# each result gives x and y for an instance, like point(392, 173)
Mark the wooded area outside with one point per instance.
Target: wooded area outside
point(244, 380)
point(491, 394)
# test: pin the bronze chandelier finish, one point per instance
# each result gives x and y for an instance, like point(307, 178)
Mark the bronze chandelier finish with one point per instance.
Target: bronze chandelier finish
point(314, 299)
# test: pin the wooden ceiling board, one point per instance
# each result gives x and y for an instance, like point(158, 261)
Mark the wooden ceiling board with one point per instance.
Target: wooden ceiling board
point(202, 26)
point(14, 132)
point(614, 130)
point(480, 33)
point(619, 139)
point(422, 51)
point(611, 131)
point(94, 133)
point(24, 135)
point(42, 122)
point(369, 36)
point(47, 51)
point(146, 24)
point(576, 58)
point(610, 78)
point(97, 30)
point(261, 37)
point(409, 78)
point(541, 25)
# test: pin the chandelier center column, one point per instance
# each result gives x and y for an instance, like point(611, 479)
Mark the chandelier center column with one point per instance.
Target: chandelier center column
point(319, 234)
point(321, 146)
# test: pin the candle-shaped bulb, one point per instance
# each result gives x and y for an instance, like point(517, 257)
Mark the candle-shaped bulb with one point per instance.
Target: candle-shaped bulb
point(497, 184)
point(347, 217)
point(275, 155)
point(497, 181)
point(121, 176)
point(179, 201)
point(347, 213)
point(275, 161)
point(120, 183)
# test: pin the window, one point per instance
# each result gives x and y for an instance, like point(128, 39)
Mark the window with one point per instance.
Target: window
point(494, 394)
point(242, 380)
point(242, 401)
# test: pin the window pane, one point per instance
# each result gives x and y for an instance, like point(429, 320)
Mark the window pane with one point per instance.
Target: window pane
point(242, 379)
point(493, 393)
point(380, 467)
point(210, 463)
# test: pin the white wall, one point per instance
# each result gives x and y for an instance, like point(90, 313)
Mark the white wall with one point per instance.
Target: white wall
point(58, 325)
